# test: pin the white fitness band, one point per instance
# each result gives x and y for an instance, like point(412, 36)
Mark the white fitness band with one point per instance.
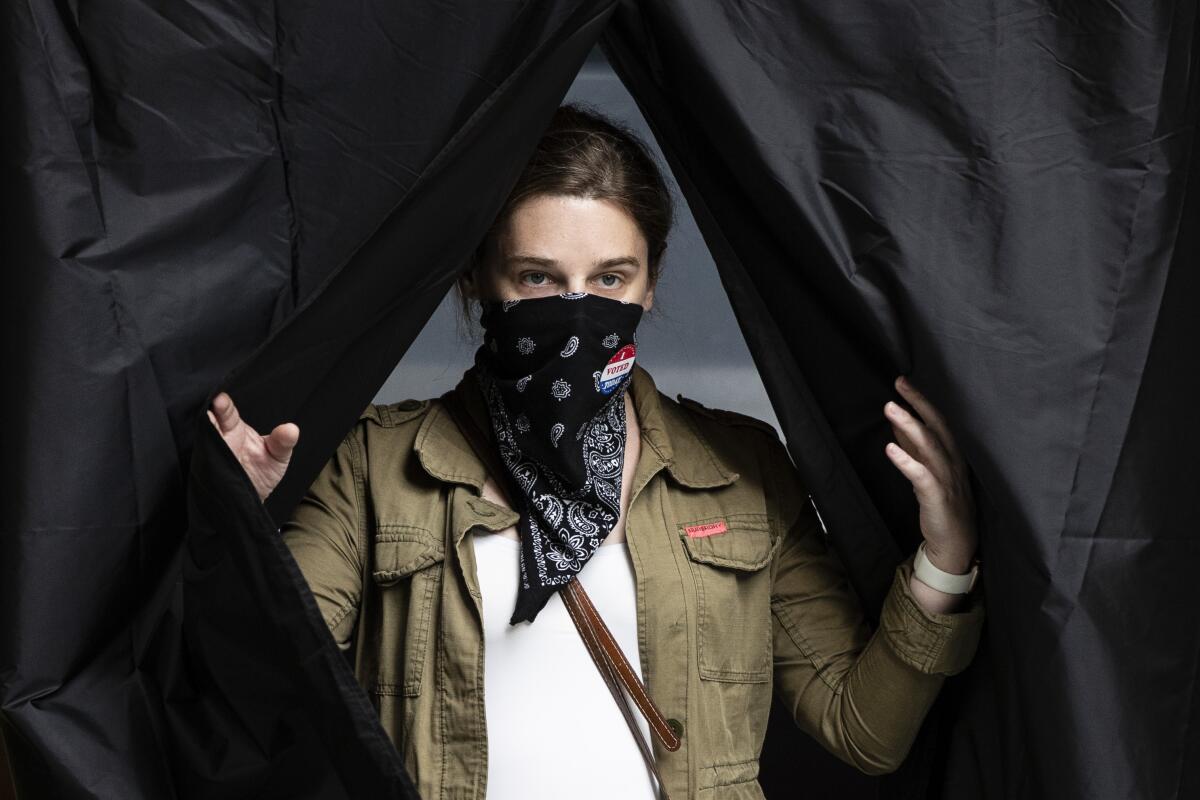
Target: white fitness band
point(939, 579)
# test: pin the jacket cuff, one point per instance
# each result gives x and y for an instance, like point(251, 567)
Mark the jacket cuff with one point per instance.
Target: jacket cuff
point(933, 643)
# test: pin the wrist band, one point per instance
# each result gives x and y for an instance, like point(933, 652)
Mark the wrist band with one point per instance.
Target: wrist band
point(939, 579)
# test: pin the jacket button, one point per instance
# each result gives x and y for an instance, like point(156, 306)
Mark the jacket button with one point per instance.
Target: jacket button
point(676, 726)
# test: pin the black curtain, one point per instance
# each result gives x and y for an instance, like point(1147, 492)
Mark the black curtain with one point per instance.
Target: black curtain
point(993, 198)
point(271, 201)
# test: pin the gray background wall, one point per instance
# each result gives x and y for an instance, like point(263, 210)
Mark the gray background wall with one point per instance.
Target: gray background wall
point(690, 343)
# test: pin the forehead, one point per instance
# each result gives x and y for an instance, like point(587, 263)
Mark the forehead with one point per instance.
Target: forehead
point(550, 224)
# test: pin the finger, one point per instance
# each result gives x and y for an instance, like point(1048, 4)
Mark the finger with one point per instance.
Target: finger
point(901, 438)
point(928, 450)
point(924, 483)
point(282, 441)
point(212, 418)
point(906, 444)
point(933, 418)
point(227, 413)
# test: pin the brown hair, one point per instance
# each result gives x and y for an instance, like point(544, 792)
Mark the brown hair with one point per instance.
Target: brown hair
point(582, 153)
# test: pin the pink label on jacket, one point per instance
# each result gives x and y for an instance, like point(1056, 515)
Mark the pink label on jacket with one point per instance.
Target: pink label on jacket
point(708, 529)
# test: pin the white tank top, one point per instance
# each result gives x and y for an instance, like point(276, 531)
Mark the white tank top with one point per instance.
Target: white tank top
point(572, 740)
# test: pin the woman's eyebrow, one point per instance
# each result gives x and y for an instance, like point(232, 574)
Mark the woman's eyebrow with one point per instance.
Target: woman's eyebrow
point(607, 263)
point(544, 262)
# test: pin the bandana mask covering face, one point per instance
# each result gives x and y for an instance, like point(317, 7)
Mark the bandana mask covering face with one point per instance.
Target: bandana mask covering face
point(554, 371)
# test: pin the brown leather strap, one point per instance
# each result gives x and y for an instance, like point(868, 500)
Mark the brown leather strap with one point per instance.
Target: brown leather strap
point(576, 601)
point(617, 661)
point(610, 660)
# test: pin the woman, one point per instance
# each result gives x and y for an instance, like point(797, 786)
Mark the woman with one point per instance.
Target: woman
point(689, 528)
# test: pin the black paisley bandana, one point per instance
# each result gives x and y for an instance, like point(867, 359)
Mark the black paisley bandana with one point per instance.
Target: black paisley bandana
point(554, 371)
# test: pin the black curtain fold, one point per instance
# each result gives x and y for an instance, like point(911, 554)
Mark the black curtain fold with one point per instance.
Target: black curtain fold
point(996, 199)
point(990, 199)
point(267, 201)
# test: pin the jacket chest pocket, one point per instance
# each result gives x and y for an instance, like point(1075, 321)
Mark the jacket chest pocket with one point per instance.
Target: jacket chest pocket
point(729, 556)
point(407, 570)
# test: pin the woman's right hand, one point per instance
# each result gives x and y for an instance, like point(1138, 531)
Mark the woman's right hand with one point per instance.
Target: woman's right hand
point(264, 458)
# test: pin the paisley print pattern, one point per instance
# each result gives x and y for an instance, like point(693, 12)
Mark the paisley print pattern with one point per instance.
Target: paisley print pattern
point(566, 524)
point(562, 447)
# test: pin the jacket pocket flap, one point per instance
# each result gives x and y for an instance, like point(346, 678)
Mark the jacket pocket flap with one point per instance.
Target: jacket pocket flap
point(401, 550)
point(741, 541)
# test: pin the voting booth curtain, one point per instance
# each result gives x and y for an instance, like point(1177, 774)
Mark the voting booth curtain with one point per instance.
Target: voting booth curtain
point(270, 199)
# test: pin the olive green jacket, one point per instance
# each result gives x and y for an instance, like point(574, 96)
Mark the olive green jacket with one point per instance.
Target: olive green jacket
point(723, 620)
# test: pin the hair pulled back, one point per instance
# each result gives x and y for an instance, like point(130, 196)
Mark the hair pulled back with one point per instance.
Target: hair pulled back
point(583, 153)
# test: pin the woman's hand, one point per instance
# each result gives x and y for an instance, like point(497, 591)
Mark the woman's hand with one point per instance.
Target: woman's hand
point(928, 456)
point(264, 458)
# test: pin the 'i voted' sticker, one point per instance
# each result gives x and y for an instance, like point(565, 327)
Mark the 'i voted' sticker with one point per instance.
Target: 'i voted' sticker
point(617, 368)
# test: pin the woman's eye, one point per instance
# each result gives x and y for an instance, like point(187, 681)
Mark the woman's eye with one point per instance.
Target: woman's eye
point(609, 281)
point(536, 278)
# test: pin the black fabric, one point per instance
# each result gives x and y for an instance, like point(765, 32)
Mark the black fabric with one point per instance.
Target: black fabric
point(991, 199)
point(996, 199)
point(266, 200)
point(553, 372)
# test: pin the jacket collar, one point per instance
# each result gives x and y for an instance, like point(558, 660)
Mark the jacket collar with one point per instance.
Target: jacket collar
point(668, 436)
point(671, 435)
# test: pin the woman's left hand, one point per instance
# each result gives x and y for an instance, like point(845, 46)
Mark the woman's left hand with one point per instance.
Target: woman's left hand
point(928, 456)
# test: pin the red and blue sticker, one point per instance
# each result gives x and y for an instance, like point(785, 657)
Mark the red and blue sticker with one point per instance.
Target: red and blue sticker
point(617, 368)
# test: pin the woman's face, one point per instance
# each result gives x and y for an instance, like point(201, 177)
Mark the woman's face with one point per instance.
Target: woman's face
point(556, 243)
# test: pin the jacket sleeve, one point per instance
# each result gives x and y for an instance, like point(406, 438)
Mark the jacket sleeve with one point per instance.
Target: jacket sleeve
point(863, 695)
point(324, 536)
